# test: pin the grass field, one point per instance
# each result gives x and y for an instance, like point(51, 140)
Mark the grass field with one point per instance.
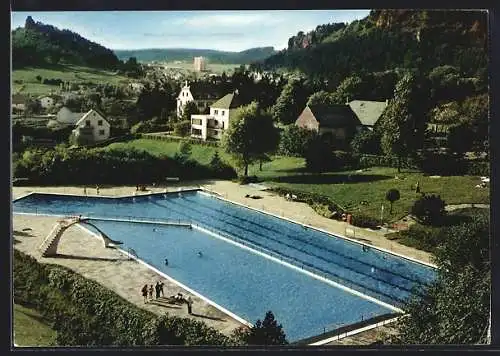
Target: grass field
point(64, 72)
point(356, 191)
point(30, 329)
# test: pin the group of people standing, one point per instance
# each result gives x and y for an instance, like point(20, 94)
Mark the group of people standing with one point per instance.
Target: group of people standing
point(158, 288)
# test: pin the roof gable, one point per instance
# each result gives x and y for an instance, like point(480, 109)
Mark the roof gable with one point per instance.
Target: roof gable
point(229, 101)
point(334, 115)
point(86, 115)
point(368, 112)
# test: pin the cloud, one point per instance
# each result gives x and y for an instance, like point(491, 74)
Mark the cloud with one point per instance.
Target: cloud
point(228, 20)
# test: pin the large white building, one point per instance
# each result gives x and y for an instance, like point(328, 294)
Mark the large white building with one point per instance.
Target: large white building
point(200, 64)
point(213, 125)
point(200, 93)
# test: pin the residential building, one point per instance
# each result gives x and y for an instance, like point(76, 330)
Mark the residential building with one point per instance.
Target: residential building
point(336, 124)
point(200, 64)
point(368, 112)
point(46, 101)
point(92, 127)
point(67, 117)
point(213, 125)
point(201, 93)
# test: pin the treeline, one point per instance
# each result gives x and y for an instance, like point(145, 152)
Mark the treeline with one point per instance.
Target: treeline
point(38, 44)
point(100, 166)
point(386, 40)
point(213, 56)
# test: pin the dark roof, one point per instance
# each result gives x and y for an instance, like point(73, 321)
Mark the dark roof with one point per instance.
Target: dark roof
point(203, 91)
point(229, 101)
point(334, 115)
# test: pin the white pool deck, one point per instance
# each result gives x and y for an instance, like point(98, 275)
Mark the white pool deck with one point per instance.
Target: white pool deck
point(126, 275)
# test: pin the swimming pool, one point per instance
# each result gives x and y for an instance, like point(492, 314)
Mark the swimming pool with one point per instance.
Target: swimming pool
point(244, 282)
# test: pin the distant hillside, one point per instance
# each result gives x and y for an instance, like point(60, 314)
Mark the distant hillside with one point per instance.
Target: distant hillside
point(37, 44)
point(179, 54)
point(385, 40)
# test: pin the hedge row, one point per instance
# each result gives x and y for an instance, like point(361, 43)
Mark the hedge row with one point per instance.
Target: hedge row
point(84, 313)
point(98, 166)
point(191, 140)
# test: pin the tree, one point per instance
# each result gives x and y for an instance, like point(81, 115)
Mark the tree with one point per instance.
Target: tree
point(429, 209)
point(33, 106)
point(366, 141)
point(189, 109)
point(321, 98)
point(349, 89)
point(460, 138)
point(290, 102)
point(246, 137)
point(294, 141)
point(391, 196)
point(403, 123)
point(266, 332)
point(182, 128)
point(318, 156)
point(455, 309)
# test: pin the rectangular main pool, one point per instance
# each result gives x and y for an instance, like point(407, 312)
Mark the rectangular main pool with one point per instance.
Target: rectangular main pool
point(248, 283)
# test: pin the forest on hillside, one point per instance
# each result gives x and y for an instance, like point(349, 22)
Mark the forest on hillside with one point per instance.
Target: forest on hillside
point(37, 44)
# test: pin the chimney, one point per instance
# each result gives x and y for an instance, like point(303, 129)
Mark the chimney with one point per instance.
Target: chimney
point(386, 101)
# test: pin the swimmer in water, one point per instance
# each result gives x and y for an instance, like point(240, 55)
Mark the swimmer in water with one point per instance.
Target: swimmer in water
point(166, 261)
point(200, 254)
point(373, 270)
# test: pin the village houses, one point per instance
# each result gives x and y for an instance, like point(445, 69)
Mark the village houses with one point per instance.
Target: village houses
point(337, 124)
point(213, 125)
point(92, 127)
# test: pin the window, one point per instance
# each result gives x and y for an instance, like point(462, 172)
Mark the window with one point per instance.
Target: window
point(216, 112)
point(87, 123)
point(101, 132)
point(99, 123)
point(196, 121)
point(196, 132)
point(222, 124)
point(222, 113)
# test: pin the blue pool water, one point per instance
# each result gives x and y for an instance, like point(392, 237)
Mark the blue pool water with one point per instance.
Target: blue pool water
point(243, 282)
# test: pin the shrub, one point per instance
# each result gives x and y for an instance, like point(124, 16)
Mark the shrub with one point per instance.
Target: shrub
point(366, 142)
point(478, 168)
point(442, 164)
point(318, 156)
point(220, 168)
point(182, 128)
point(366, 161)
point(422, 237)
point(391, 196)
point(343, 160)
point(361, 220)
point(429, 209)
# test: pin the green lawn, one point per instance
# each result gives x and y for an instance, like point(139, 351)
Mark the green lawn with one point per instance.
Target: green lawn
point(30, 329)
point(349, 189)
point(64, 72)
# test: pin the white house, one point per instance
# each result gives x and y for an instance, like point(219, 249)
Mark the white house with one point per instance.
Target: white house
point(67, 117)
point(92, 127)
point(47, 101)
point(201, 93)
point(213, 125)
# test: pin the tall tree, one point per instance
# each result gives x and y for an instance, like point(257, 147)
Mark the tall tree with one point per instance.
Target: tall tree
point(455, 309)
point(263, 333)
point(290, 102)
point(403, 122)
point(246, 137)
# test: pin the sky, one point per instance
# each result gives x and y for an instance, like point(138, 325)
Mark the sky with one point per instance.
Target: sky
point(219, 30)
